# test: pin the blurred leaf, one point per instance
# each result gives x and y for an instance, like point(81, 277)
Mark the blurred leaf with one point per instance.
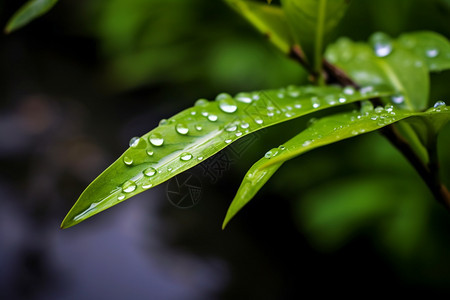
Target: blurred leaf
point(432, 47)
point(28, 12)
point(385, 62)
point(323, 132)
point(268, 19)
point(311, 22)
point(197, 133)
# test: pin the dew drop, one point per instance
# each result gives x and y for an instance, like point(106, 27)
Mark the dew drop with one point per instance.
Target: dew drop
point(282, 147)
point(169, 169)
point(398, 99)
point(244, 98)
point(227, 141)
point(150, 153)
point(185, 156)
point(306, 143)
point(147, 185)
point(238, 133)
point(268, 154)
point(379, 109)
point(381, 44)
point(389, 108)
point(432, 52)
point(182, 128)
point(365, 90)
point(439, 104)
point(163, 122)
point(342, 100)
point(149, 172)
point(129, 186)
point(200, 158)
point(201, 102)
point(121, 197)
point(212, 118)
point(205, 113)
point(244, 125)
point(315, 102)
point(228, 105)
point(297, 105)
point(349, 90)
point(134, 142)
point(193, 113)
point(230, 127)
point(223, 96)
point(259, 121)
point(198, 127)
point(156, 139)
point(127, 160)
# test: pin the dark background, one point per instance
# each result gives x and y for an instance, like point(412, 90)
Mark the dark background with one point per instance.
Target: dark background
point(350, 219)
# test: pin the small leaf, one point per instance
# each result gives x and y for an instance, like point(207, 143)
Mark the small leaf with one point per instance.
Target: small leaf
point(385, 62)
point(28, 12)
point(197, 133)
point(312, 22)
point(323, 132)
point(269, 20)
point(432, 47)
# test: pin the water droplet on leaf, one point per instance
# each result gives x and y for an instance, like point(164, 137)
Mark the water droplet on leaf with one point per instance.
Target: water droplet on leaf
point(127, 160)
point(185, 156)
point(228, 105)
point(182, 128)
point(129, 186)
point(156, 139)
point(150, 172)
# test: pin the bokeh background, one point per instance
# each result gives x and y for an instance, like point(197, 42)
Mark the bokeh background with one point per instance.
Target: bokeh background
point(350, 219)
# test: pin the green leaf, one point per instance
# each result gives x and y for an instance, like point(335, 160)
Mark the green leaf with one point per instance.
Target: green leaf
point(268, 19)
point(432, 47)
point(28, 12)
point(312, 22)
point(199, 132)
point(385, 62)
point(326, 131)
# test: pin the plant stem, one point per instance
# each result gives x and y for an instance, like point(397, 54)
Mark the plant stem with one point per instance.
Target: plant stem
point(428, 172)
point(318, 47)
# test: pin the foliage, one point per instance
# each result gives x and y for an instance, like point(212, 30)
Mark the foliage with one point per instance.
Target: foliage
point(380, 85)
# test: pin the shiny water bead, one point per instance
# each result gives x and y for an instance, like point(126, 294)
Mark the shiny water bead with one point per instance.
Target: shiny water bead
point(259, 121)
point(398, 99)
point(245, 125)
point(342, 99)
point(228, 105)
point(150, 153)
point(201, 102)
point(212, 118)
point(182, 128)
point(198, 127)
point(149, 172)
point(381, 44)
point(127, 160)
point(120, 197)
point(129, 186)
point(315, 102)
point(163, 122)
point(432, 52)
point(306, 143)
point(147, 185)
point(231, 127)
point(439, 104)
point(223, 96)
point(156, 139)
point(244, 98)
point(227, 141)
point(134, 142)
point(185, 156)
point(365, 90)
point(348, 90)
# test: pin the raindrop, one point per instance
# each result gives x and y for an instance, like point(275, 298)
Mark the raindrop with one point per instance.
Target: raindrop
point(280, 95)
point(244, 98)
point(244, 125)
point(163, 122)
point(342, 100)
point(147, 185)
point(282, 147)
point(201, 102)
point(230, 127)
point(288, 115)
point(212, 118)
point(258, 120)
point(381, 44)
point(268, 154)
point(169, 169)
point(398, 99)
point(198, 127)
point(349, 90)
point(205, 113)
point(379, 109)
point(439, 104)
point(315, 102)
point(433, 52)
point(200, 158)
point(182, 128)
point(156, 139)
point(149, 172)
point(366, 107)
point(223, 96)
point(256, 97)
point(121, 197)
point(306, 143)
point(228, 105)
point(238, 133)
point(365, 90)
point(389, 108)
point(134, 142)
point(150, 153)
point(127, 160)
point(185, 156)
point(227, 141)
point(297, 105)
point(129, 186)
point(193, 112)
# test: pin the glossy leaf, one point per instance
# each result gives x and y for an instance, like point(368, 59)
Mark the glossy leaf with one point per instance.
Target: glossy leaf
point(385, 62)
point(312, 21)
point(197, 133)
point(268, 19)
point(432, 47)
point(28, 12)
point(328, 130)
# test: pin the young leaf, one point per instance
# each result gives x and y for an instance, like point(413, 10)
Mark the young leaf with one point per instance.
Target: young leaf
point(385, 62)
point(324, 132)
point(28, 12)
point(268, 19)
point(432, 47)
point(197, 133)
point(311, 22)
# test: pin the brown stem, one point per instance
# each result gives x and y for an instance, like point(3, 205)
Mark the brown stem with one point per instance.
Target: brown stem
point(429, 173)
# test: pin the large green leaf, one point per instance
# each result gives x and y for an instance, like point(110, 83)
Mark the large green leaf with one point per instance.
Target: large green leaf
point(28, 12)
point(311, 22)
point(197, 133)
point(432, 47)
point(323, 132)
point(385, 62)
point(268, 19)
